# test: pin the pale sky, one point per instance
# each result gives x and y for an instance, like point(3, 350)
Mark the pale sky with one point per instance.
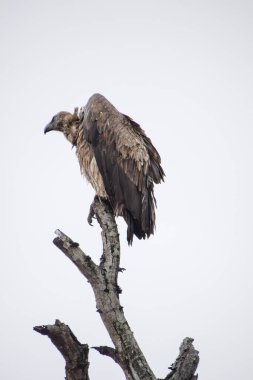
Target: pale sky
point(183, 70)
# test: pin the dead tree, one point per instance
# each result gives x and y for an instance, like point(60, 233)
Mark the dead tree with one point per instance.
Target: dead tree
point(104, 281)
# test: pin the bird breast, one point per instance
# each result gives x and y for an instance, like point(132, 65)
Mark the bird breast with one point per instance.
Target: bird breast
point(88, 165)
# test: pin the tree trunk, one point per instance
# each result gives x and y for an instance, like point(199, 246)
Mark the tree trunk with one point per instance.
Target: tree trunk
point(104, 281)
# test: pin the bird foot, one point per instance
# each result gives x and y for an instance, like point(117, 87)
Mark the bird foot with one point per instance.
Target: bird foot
point(91, 215)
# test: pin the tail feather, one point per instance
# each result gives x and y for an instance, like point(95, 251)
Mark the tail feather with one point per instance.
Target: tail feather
point(143, 226)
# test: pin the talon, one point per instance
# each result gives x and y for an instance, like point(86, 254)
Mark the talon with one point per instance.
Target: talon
point(91, 215)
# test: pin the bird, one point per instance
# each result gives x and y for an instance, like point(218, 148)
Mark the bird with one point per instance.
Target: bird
point(117, 159)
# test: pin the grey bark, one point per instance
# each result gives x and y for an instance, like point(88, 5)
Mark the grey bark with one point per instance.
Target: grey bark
point(104, 281)
point(74, 353)
point(186, 363)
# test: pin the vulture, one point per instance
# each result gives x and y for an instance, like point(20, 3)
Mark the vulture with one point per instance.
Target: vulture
point(117, 158)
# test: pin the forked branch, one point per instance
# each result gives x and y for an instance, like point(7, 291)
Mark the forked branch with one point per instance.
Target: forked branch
point(74, 353)
point(104, 281)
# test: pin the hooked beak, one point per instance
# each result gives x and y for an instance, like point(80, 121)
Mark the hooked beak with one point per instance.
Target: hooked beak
point(49, 127)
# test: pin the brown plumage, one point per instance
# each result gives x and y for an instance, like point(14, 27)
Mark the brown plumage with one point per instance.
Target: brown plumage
point(117, 158)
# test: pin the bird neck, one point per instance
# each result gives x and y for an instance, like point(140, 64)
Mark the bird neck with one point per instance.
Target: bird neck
point(72, 132)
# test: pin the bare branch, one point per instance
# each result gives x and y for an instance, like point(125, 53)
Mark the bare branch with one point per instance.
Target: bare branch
point(186, 363)
point(104, 281)
point(107, 351)
point(82, 261)
point(74, 353)
point(110, 258)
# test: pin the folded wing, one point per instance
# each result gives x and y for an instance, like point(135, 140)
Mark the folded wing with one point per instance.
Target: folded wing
point(128, 162)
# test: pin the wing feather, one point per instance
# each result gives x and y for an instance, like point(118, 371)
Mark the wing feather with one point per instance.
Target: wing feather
point(127, 161)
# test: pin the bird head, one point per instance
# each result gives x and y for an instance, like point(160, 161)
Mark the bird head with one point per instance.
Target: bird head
point(67, 123)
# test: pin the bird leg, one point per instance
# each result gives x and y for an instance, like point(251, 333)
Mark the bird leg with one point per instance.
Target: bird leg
point(91, 215)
